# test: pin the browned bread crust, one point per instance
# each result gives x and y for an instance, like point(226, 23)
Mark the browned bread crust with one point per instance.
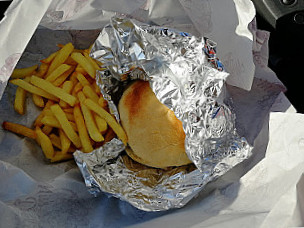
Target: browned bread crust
point(155, 135)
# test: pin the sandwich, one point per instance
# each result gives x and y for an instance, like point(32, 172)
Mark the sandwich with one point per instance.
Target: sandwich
point(155, 135)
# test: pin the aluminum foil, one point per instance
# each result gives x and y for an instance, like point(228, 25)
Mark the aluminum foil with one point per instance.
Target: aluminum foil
point(186, 76)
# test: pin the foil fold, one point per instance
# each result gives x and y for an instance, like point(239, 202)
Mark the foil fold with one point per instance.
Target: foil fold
point(186, 76)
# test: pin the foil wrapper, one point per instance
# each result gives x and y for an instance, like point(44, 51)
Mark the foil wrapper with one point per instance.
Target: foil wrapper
point(186, 76)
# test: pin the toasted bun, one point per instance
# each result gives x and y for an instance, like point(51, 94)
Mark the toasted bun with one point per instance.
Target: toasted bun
point(155, 135)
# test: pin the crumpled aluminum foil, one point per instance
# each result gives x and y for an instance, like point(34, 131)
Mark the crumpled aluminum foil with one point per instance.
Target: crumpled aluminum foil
point(186, 76)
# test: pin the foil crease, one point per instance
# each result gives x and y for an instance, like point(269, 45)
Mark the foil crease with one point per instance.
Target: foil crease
point(186, 76)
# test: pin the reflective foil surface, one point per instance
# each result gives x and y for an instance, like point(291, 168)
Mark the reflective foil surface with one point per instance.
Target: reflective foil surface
point(186, 76)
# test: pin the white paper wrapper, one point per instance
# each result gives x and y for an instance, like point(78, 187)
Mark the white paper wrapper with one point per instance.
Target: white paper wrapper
point(17, 21)
point(264, 191)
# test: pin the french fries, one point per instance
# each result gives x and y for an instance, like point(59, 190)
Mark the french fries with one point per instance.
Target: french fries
point(90, 93)
point(110, 119)
point(60, 57)
point(45, 143)
point(65, 142)
point(63, 77)
point(102, 102)
point(93, 63)
point(65, 124)
point(24, 72)
point(109, 135)
point(33, 89)
point(19, 104)
point(67, 87)
point(83, 133)
point(50, 58)
point(57, 143)
point(57, 72)
point(55, 91)
point(73, 114)
point(19, 129)
point(38, 100)
point(50, 120)
point(42, 114)
point(55, 140)
point(78, 87)
point(47, 129)
point(89, 120)
point(84, 63)
point(80, 70)
point(83, 81)
point(70, 61)
point(42, 70)
point(101, 124)
point(61, 157)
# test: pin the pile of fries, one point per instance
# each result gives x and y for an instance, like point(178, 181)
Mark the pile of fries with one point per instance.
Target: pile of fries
point(74, 114)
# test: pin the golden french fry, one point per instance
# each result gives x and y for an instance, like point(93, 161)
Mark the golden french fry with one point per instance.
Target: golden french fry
point(80, 59)
point(50, 58)
point(48, 112)
point(96, 88)
point(90, 48)
point(93, 63)
point(82, 130)
point(50, 121)
point(110, 119)
point(19, 129)
point(57, 143)
point(66, 125)
point(70, 116)
point(45, 143)
point(38, 100)
point(78, 87)
point(81, 70)
point(68, 110)
point(67, 87)
point(82, 79)
point(55, 140)
point(33, 89)
point(19, 104)
point(63, 77)
point(61, 57)
point(90, 93)
point(55, 91)
point(101, 124)
point(38, 122)
point(75, 50)
point(65, 141)
point(24, 72)
point(89, 121)
point(47, 129)
point(42, 70)
point(59, 156)
point(73, 78)
point(86, 51)
point(57, 72)
point(60, 45)
point(20, 97)
point(110, 134)
point(99, 64)
point(70, 61)
point(102, 102)
point(48, 104)
point(53, 122)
